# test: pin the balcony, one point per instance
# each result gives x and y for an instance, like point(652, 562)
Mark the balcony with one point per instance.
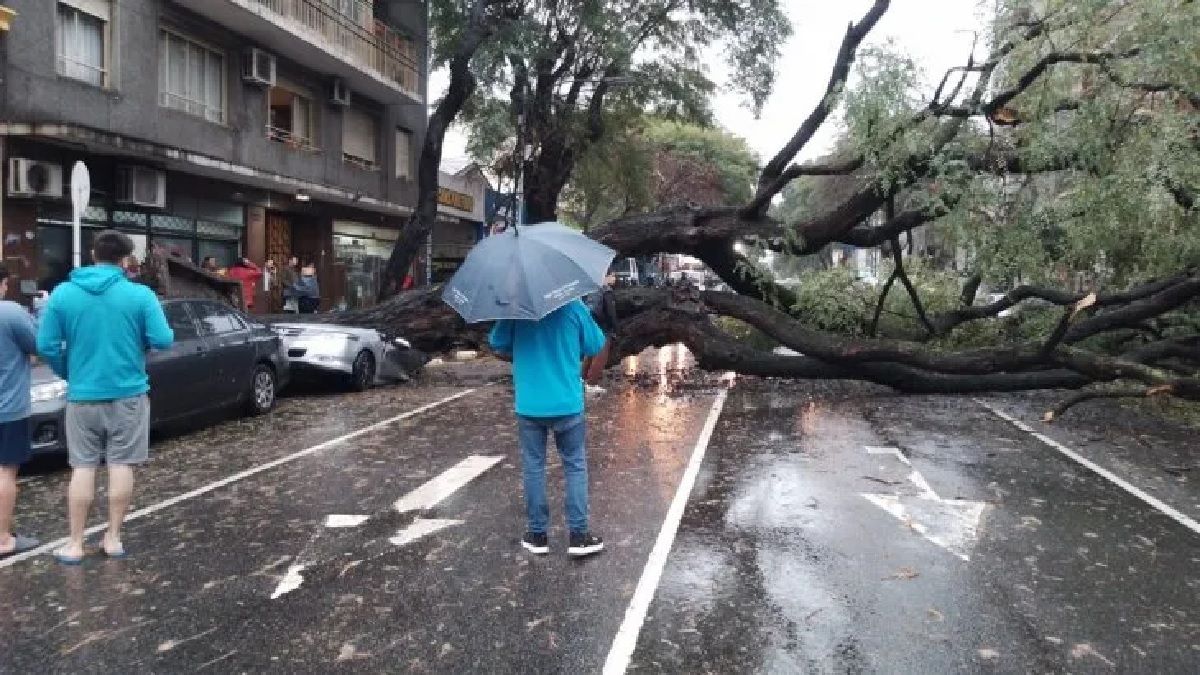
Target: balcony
point(371, 57)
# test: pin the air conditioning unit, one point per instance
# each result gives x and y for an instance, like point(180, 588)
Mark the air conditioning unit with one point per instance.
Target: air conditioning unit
point(30, 178)
point(141, 186)
point(258, 67)
point(340, 94)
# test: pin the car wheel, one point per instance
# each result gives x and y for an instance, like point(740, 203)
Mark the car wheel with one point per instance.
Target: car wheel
point(262, 391)
point(362, 375)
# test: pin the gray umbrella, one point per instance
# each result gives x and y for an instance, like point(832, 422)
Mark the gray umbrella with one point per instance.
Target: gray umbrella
point(526, 273)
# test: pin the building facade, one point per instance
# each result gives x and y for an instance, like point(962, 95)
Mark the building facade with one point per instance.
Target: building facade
point(224, 128)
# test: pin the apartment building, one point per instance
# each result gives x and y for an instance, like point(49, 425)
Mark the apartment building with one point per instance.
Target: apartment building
point(224, 128)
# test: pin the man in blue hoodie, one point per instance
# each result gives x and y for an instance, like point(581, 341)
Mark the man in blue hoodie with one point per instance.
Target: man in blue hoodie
point(94, 333)
point(17, 333)
point(546, 357)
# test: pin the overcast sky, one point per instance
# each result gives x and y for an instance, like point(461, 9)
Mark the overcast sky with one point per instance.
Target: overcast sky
point(937, 33)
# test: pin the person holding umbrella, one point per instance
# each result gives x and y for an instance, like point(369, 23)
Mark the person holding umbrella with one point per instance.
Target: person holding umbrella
point(546, 330)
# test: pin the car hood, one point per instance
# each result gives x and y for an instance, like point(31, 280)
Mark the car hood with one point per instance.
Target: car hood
point(41, 374)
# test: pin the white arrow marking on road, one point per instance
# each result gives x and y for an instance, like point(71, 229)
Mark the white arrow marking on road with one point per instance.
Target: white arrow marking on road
point(445, 484)
point(420, 528)
point(424, 497)
point(291, 581)
point(336, 520)
point(952, 524)
point(895, 452)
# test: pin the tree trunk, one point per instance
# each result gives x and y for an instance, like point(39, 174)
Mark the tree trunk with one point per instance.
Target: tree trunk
point(462, 84)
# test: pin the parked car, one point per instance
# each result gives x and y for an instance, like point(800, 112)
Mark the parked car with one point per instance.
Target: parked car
point(625, 270)
point(358, 358)
point(221, 360)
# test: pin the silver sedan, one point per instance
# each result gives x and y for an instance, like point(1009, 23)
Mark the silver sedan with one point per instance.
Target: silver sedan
point(359, 357)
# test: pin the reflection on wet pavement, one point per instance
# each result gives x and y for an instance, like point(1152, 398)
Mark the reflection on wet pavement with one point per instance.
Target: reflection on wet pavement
point(781, 565)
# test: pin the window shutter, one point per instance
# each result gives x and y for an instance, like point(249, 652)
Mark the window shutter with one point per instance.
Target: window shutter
point(359, 135)
point(403, 154)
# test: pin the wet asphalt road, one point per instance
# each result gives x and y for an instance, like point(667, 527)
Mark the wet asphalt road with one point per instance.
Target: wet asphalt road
point(1003, 556)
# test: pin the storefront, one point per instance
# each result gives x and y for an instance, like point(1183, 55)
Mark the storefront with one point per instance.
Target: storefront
point(362, 252)
point(461, 215)
point(190, 228)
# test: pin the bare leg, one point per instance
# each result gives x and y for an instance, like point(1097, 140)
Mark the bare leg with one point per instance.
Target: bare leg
point(120, 493)
point(8, 501)
point(79, 502)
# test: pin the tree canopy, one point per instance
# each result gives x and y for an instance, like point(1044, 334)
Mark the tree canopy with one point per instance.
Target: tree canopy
point(659, 163)
point(570, 74)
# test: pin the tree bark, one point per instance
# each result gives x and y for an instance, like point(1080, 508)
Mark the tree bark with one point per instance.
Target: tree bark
point(420, 224)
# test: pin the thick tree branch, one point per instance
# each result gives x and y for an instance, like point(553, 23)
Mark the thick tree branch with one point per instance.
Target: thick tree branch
point(855, 34)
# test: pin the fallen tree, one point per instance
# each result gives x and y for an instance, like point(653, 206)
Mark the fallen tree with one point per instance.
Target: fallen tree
point(1066, 176)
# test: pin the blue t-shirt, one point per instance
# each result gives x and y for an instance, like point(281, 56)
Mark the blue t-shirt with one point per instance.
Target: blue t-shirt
point(18, 334)
point(547, 356)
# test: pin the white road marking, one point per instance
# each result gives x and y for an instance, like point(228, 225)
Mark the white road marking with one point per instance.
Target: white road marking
point(1161, 506)
point(292, 580)
point(625, 641)
point(339, 521)
point(895, 452)
point(241, 475)
point(423, 497)
point(447, 483)
point(421, 527)
point(952, 524)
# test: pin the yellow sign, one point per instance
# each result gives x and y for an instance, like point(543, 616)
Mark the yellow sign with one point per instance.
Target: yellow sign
point(456, 200)
point(6, 17)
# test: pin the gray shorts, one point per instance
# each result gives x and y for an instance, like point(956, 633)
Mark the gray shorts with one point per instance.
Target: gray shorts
point(117, 432)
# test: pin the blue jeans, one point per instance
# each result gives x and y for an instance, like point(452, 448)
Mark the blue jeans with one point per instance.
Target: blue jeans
point(569, 433)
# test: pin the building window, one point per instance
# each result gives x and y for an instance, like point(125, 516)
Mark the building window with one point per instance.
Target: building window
point(291, 117)
point(403, 153)
point(360, 137)
point(191, 77)
point(82, 36)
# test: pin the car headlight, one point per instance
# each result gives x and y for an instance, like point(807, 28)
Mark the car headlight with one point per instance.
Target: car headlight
point(48, 391)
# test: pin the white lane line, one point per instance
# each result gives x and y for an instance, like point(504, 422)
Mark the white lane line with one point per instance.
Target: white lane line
point(446, 483)
point(241, 475)
point(1113, 478)
point(635, 615)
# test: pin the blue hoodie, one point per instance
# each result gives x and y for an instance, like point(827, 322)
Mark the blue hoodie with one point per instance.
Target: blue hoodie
point(547, 359)
point(95, 332)
point(17, 331)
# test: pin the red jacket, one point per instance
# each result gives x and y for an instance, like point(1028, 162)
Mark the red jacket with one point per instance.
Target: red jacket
point(248, 274)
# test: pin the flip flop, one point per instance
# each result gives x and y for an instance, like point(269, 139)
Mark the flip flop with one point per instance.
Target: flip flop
point(68, 560)
point(21, 544)
point(119, 555)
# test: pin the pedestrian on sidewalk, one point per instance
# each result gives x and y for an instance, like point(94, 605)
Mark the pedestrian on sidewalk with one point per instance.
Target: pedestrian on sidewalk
point(94, 333)
point(288, 277)
point(247, 274)
point(308, 290)
point(546, 356)
point(603, 305)
point(18, 342)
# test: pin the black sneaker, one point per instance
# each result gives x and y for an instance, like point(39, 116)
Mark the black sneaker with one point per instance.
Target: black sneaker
point(536, 543)
point(584, 544)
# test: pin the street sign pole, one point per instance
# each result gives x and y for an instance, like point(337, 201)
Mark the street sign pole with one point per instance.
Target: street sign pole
point(81, 193)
